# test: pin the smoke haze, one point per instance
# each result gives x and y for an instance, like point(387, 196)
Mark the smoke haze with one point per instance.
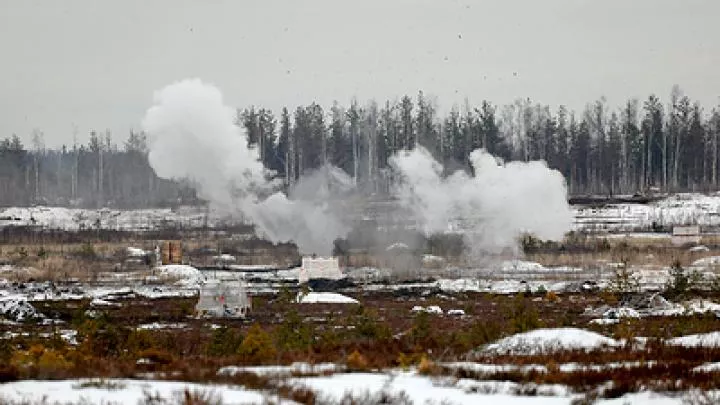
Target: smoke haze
point(490, 208)
point(192, 134)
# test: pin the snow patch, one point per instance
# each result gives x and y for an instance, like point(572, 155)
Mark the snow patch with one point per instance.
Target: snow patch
point(550, 340)
point(325, 298)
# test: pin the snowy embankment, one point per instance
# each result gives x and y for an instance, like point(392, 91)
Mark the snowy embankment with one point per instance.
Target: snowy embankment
point(17, 308)
point(183, 275)
point(678, 209)
point(543, 341)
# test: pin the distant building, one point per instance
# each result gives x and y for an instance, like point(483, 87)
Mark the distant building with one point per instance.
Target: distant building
point(223, 299)
point(320, 267)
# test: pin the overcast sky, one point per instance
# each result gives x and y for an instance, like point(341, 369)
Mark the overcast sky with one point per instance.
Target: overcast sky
point(94, 64)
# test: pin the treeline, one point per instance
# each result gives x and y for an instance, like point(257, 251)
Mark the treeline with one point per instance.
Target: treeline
point(643, 146)
point(99, 173)
point(640, 147)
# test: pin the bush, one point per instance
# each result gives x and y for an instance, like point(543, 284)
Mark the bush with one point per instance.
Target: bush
point(551, 296)
point(426, 366)
point(257, 346)
point(156, 356)
point(356, 362)
point(523, 315)
point(624, 281)
point(224, 342)
point(293, 333)
point(680, 281)
point(86, 251)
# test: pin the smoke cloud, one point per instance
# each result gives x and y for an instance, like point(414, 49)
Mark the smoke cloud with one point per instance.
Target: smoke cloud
point(192, 134)
point(490, 208)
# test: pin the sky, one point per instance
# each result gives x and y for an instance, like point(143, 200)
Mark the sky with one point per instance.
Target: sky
point(71, 66)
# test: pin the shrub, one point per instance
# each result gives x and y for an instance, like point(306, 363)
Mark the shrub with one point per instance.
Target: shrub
point(356, 362)
point(551, 296)
point(51, 362)
point(257, 346)
point(224, 342)
point(426, 366)
point(680, 281)
point(42, 253)
point(421, 330)
point(368, 326)
point(86, 251)
point(523, 315)
point(156, 356)
point(624, 281)
point(293, 333)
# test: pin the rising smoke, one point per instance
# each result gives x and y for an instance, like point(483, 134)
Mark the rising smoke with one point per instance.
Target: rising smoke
point(192, 135)
point(490, 208)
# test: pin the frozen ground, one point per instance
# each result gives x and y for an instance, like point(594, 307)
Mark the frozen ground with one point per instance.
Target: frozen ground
point(111, 219)
point(119, 391)
point(414, 388)
point(678, 209)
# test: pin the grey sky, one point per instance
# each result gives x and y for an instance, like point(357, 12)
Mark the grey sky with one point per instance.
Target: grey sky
point(95, 64)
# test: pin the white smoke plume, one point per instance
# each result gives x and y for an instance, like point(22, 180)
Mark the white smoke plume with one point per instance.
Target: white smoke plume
point(192, 134)
point(490, 208)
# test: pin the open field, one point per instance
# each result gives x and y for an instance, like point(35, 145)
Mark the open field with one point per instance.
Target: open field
point(87, 316)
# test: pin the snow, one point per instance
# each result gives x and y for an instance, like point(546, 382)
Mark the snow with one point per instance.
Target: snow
point(17, 308)
point(293, 369)
point(159, 326)
point(706, 262)
point(118, 391)
point(73, 219)
point(550, 340)
point(424, 390)
point(226, 258)
point(622, 312)
point(136, 252)
point(186, 275)
point(711, 339)
point(708, 368)
point(325, 298)
point(456, 312)
point(98, 302)
point(432, 309)
point(678, 209)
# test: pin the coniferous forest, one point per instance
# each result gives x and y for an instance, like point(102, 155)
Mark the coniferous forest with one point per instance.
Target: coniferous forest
point(656, 144)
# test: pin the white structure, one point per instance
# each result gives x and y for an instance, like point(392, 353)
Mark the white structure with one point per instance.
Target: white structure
point(686, 235)
point(223, 299)
point(320, 267)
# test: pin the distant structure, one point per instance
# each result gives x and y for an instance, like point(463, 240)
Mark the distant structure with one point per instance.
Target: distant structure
point(320, 267)
point(684, 235)
point(223, 299)
point(171, 252)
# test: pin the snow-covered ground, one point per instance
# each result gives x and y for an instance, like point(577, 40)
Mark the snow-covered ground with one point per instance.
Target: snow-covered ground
point(122, 391)
point(407, 385)
point(325, 298)
point(678, 209)
point(419, 389)
point(541, 341)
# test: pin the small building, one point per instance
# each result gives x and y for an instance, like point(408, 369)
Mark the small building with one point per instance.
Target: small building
point(320, 267)
point(223, 299)
point(686, 235)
